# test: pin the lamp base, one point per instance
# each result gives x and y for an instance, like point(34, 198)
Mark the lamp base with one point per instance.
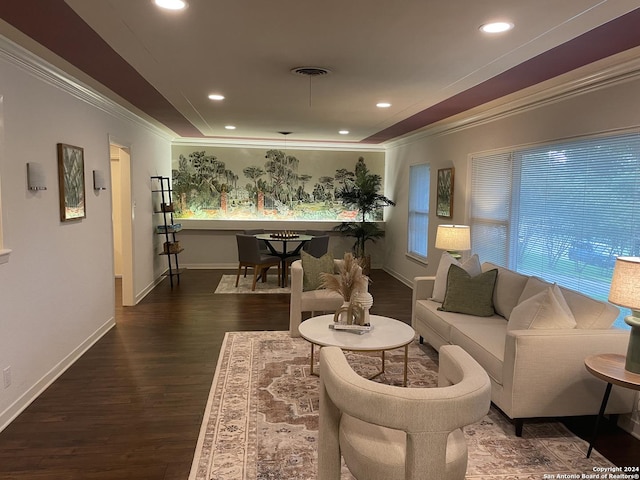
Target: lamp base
point(633, 351)
point(455, 255)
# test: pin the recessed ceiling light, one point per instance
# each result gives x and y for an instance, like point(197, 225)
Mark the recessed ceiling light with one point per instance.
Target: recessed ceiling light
point(215, 96)
point(496, 27)
point(344, 132)
point(171, 4)
point(230, 127)
point(383, 105)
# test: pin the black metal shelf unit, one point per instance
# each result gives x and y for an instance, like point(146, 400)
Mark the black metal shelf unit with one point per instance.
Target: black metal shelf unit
point(161, 186)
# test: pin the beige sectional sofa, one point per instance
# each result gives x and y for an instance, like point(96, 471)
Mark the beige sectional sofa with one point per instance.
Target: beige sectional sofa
point(534, 372)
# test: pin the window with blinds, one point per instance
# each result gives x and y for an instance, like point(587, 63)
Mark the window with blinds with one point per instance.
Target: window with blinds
point(563, 212)
point(418, 224)
point(491, 192)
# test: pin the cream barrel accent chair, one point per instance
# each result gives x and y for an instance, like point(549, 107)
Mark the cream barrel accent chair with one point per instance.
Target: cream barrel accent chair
point(313, 301)
point(385, 432)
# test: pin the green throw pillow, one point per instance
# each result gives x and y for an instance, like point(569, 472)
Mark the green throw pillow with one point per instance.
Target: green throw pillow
point(470, 295)
point(312, 268)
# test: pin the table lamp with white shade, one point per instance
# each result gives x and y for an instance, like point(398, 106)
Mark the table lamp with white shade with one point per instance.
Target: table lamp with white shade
point(625, 292)
point(453, 239)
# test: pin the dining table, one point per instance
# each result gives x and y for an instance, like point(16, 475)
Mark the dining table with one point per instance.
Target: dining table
point(286, 240)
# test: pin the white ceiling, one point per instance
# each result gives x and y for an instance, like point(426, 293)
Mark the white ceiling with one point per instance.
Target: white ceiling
point(411, 53)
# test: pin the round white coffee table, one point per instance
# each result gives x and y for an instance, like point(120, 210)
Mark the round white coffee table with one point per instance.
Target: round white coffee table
point(386, 334)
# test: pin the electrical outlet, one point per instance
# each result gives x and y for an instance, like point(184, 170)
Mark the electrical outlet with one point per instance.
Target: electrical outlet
point(6, 377)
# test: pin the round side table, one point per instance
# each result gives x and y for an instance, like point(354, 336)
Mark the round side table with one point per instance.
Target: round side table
point(610, 368)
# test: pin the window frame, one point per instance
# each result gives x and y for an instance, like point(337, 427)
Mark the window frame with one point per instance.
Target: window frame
point(416, 207)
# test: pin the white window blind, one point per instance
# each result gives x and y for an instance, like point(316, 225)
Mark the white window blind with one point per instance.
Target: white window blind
point(563, 212)
point(491, 190)
point(418, 224)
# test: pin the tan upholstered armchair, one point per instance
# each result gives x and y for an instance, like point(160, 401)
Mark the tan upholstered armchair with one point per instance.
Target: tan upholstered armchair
point(386, 433)
point(311, 301)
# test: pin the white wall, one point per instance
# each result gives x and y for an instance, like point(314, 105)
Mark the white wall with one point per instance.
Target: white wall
point(57, 289)
point(208, 248)
point(586, 107)
point(591, 111)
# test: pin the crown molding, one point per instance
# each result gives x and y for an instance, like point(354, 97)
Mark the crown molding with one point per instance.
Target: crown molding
point(546, 93)
point(55, 77)
point(288, 144)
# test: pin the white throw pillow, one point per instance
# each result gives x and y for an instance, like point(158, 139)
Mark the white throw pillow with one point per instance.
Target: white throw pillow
point(533, 286)
point(471, 266)
point(545, 310)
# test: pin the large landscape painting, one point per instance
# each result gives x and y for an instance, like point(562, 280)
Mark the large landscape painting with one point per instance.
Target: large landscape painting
point(230, 183)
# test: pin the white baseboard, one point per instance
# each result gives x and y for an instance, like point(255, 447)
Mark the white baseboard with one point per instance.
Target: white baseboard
point(40, 386)
point(211, 266)
point(631, 422)
point(407, 281)
point(628, 424)
point(148, 288)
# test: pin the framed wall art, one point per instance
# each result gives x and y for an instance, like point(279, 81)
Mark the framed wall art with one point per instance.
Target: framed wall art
point(444, 200)
point(71, 182)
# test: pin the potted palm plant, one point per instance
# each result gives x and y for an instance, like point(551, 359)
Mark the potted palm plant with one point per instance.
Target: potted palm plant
point(361, 194)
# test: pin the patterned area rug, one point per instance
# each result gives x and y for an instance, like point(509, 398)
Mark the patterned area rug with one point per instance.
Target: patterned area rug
point(261, 420)
point(228, 284)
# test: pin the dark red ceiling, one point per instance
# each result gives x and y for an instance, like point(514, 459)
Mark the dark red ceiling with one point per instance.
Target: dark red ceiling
point(608, 39)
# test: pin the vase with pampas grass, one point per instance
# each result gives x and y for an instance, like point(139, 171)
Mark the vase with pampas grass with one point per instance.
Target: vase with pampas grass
point(349, 282)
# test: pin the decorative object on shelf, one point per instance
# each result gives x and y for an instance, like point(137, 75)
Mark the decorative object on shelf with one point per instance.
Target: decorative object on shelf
point(444, 197)
point(361, 193)
point(172, 247)
point(71, 182)
point(625, 292)
point(173, 228)
point(453, 239)
point(36, 179)
point(99, 180)
point(166, 207)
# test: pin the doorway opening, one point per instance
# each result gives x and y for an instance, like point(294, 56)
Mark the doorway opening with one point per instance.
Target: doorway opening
point(122, 219)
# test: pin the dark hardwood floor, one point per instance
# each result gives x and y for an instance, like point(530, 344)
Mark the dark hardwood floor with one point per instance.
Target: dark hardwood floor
point(131, 407)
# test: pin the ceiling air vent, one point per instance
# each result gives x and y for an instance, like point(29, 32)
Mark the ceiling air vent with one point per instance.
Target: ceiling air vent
point(310, 71)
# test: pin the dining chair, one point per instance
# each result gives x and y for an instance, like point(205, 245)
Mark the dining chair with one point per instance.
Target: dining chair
point(263, 245)
point(249, 255)
point(317, 246)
